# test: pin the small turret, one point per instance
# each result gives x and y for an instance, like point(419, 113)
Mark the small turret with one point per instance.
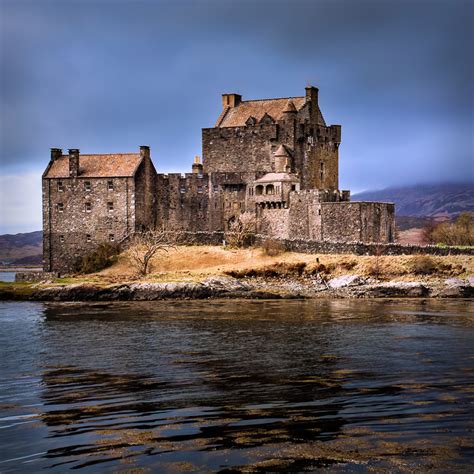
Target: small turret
point(282, 160)
point(197, 165)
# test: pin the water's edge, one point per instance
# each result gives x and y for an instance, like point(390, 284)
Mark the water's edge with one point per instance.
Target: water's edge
point(233, 288)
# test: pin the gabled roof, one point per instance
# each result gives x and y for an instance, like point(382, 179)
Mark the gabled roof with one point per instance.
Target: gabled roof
point(275, 108)
point(97, 166)
point(237, 116)
point(278, 177)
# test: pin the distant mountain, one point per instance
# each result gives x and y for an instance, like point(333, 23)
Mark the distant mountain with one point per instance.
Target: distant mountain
point(25, 249)
point(425, 200)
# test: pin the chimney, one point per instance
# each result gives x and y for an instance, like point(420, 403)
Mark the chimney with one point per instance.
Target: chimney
point(231, 100)
point(197, 165)
point(56, 153)
point(73, 162)
point(144, 151)
point(312, 95)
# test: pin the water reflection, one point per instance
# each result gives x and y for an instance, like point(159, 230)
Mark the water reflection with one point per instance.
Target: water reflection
point(230, 386)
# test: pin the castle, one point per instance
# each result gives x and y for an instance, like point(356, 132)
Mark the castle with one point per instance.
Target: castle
point(276, 158)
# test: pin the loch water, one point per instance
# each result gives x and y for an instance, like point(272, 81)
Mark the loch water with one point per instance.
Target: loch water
point(231, 386)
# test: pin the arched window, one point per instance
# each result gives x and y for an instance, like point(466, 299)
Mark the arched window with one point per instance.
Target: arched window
point(259, 190)
point(270, 189)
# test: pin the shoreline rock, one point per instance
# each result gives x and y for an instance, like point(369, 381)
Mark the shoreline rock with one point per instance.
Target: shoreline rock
point(346, 286)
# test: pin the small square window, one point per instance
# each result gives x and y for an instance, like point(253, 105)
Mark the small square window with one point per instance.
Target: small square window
point(112, 237)
point(87, 185)
point(61, 239)
point(110, 185)
point(200, 189)
point(110, 206)
point(60, 207)
point(88, 238)
point(182, 190)
point(88, 207)
point(293, 187)
point(60, 187)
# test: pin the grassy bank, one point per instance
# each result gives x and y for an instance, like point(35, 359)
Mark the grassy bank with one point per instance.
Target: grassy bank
point(195, 263)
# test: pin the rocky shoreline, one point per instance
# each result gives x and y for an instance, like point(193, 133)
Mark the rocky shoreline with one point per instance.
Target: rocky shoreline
point(348, 286)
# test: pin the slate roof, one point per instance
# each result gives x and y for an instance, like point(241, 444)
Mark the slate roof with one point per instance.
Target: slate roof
point(97, 166)
point(237, 116)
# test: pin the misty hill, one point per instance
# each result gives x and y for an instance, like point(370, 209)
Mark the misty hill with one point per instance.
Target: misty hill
point(21, 249)
point(425, 200)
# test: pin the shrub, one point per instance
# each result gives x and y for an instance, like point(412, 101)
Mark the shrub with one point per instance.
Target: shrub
point(460, 232)
point(277, 270)
point(423, 265)
point(272, 248)
point(102, 257)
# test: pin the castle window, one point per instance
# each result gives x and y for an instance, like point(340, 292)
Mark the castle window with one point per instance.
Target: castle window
point(182, 189)
point(88, 207)
point(60, 186)
point(87, 185)
point(322, 175)
point(60, 207)
point(88, 238)
point(110, 206)
point(319, 212)
point(200, 189)
point(322, 166)
point(200, 205)
point(110, 185)
point(61, 239)
point(293, 187)
point(259, 190)
point(270, 189)
point(112, 237)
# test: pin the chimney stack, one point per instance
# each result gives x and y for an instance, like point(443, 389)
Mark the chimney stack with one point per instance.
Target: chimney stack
point(56, 153)
point(145, 151)
point(73, 162)
point(231, 100)
point(312, 95)
point(197, 165)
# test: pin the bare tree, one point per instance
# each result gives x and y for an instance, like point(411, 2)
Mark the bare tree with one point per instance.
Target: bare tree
point(145, 245)
point(242, 229)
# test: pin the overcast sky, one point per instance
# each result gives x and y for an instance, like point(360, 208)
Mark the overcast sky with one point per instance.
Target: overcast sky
point(111, 75)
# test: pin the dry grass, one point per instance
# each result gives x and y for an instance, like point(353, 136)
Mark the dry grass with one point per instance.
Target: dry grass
point(198, 262)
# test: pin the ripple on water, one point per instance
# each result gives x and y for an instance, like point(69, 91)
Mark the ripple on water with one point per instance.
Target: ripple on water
point(228, 386)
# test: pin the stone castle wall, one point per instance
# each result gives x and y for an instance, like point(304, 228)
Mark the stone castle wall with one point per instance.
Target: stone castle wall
point(357, 221)
point(76, 231)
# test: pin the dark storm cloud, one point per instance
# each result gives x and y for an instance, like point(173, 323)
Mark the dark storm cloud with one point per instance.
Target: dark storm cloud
point(111, 75)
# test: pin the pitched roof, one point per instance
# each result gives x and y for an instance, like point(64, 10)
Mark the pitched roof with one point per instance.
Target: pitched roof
point(97, 166)
point(290, 106)
point(278, 177)
point(238, 116)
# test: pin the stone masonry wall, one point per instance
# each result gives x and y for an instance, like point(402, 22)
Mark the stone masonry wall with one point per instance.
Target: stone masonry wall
point(239, 149)
point(66, 232)
point(358, 221)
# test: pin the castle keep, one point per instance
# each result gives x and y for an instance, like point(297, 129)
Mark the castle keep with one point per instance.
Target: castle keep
point(275, 158)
